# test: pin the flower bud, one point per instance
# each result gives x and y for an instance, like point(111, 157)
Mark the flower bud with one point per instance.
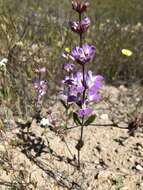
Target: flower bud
point(79, 6)
point(80, 27)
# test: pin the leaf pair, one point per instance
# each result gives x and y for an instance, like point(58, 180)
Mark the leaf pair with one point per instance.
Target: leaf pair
point(86, 123)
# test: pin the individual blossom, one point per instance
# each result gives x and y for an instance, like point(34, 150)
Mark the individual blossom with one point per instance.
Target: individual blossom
point(84, 111)
point(93, 84)
point(93, 95)
point(92, 80)
point(41, 88)
point(79, 6)
point(74, 82)
point(63, 95)
point(3, 63)
point(80, 27)
point(45, 122)
point(72, 88)
point(83, 54)
point(68, 67)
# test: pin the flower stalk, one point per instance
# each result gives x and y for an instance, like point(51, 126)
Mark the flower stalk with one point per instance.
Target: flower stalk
point(80, 141)
point(80, 88)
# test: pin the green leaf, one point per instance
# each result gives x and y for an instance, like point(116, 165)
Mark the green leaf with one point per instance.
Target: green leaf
point(65, 105)
point(76, 119)
point(89, 120)
point(70, 114)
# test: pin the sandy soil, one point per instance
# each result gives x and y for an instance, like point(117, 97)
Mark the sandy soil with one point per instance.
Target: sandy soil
point(37, 158)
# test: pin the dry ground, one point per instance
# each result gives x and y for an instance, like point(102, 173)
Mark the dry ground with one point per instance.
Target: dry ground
point(37, 158)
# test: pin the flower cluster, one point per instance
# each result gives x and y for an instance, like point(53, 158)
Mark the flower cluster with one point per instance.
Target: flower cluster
point(80, 87)
point(41, 88)
point(74, 88)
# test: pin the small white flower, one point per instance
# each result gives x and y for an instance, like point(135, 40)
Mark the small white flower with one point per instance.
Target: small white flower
point(3, 61)
point(45, 121)
point(3, 65)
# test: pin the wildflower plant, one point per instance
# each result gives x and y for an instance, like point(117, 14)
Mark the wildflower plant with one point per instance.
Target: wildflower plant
point(80, 87)
point(40, 85)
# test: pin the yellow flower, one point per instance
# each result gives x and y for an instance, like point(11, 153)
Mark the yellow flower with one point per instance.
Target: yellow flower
point(67, 49)
point(127, 52)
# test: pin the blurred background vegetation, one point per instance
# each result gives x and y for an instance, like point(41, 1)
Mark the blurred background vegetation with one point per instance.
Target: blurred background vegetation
point(35, 32)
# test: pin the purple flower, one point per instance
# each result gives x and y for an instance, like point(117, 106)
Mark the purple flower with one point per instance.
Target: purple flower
point(72, 98)
point(68, 67)
point(63, 96)
point(74, 87)
point(41, 88)
point(95, 81)
point(74, 79)
point(75, 26)
point(80, 27)
point(79, 6)
point(84, 111)
point(93, 95)
point(93, 84)
point(85, 23)
point(83, 54)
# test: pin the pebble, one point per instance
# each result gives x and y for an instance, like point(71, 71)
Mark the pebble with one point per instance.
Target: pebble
point(104, 174)
point(104, 116)
point(139, 167)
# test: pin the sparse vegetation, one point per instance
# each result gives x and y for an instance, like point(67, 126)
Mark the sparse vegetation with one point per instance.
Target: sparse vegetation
point(38, 142)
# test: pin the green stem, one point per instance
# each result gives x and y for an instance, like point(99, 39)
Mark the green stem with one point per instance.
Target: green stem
point(80, 141)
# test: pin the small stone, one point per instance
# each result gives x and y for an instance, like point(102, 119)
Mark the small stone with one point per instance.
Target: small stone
point(2, 148)
point(124, 188)
point(139, 167)
point(104, 116)
point(104, 174)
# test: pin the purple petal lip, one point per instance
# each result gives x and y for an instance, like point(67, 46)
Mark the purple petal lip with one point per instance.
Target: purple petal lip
point(68, 67)
point(85, 111)
point(94, 97)
point(85, 23)
point(72, 98)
